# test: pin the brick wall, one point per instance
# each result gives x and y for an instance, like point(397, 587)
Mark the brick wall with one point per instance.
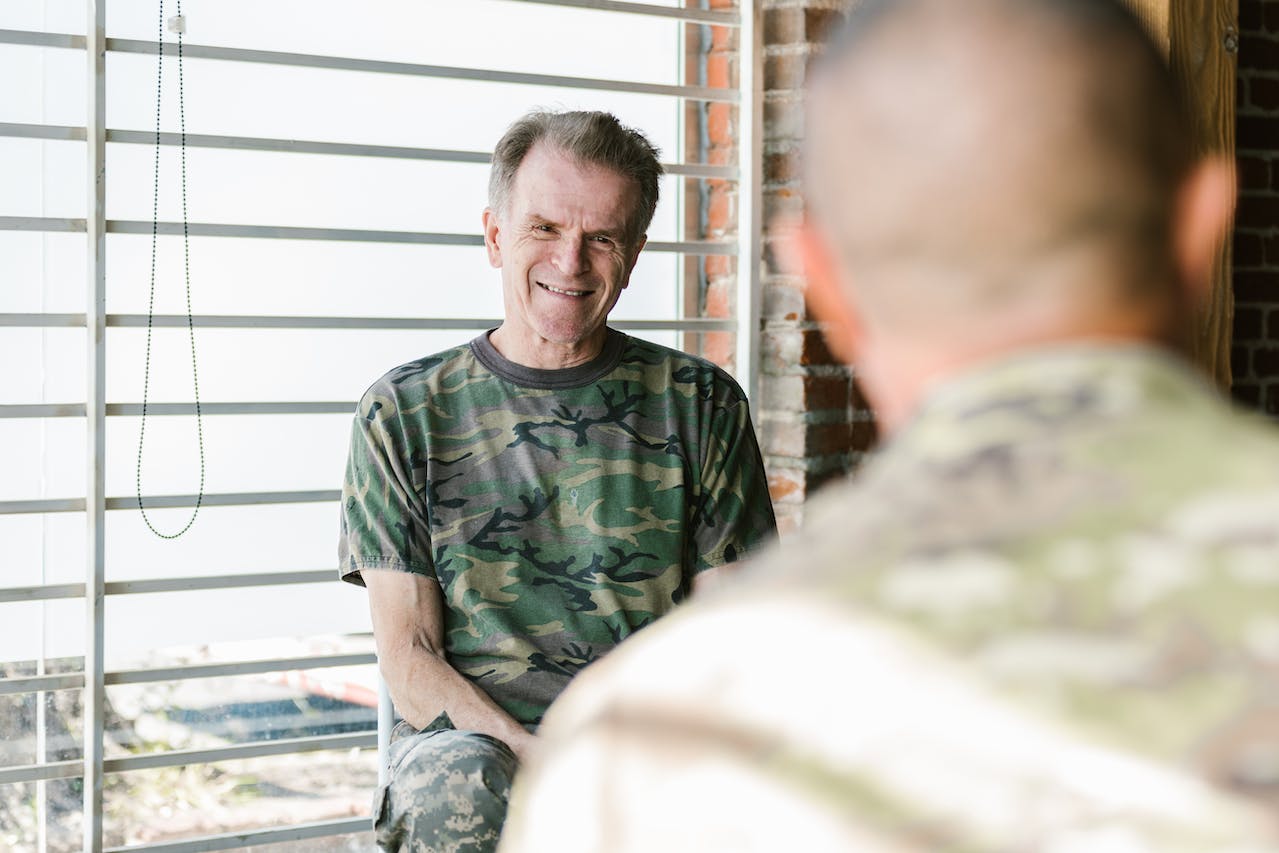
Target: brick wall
point(1255, 355)
point(812, 423)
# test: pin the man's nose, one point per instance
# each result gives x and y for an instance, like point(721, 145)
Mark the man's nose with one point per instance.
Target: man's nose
point(570, 254)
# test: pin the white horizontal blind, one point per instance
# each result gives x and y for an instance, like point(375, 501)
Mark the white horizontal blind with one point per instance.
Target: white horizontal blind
point(337, 165)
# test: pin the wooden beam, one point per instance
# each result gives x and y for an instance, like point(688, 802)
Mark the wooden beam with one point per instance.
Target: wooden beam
point(1204, 45)
point(1201, 40)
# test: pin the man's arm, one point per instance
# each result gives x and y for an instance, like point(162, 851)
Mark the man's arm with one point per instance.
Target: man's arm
point(408, 627)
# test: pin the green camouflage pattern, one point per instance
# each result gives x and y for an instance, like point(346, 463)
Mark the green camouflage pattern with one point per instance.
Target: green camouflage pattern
point(560, 511)
point(1045, 616)
point(447, 791)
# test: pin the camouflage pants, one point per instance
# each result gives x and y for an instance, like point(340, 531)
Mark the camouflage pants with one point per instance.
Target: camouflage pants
point(447, 792)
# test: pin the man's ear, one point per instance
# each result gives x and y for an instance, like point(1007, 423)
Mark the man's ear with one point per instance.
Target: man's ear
point(490, 238)
point(803, 250)
point(1205, 205)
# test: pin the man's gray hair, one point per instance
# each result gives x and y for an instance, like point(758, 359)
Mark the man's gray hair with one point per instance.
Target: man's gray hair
point(593, 137)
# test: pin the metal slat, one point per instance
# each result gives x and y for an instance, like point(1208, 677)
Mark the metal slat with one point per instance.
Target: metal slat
point(34, 683)
point(45, 505)
point(37, 772)
point(190, 584)
point(43, 321)
point(42, 410)
point(240, 840)
point(439, 72)
point(42, 223)
point(46, 592)
point(300, 408)
point(302, 146)
point(227, 499)
point(248, 667)
point(289, 746)
point(41, 592)
point(172, 501)
point(692, 15)
point(358, 235)
point(39, 39)
point(41, 131)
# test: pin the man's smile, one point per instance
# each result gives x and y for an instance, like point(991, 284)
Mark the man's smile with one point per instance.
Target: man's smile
point(563, 292)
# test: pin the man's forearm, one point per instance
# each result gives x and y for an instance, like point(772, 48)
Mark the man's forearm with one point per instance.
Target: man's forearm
point(423, 684)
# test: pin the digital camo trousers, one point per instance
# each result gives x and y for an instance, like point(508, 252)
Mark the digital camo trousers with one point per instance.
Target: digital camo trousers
point(446, 792)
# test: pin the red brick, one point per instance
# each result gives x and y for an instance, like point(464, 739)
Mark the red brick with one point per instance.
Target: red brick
point(718, 348)
point(1271, 406)
point(818, 23)
point(1271, 15)
point(784, 71)
point(721, 212)
point(784, 26)
point(1257, 286)
point(719, 266)
point(783, 302)
point(804, 393)
point(1272, 326)
point(718, 73)
point(1258, 132)
point(1258, 211)
point(1265, 362)
point(720, 121)
point(865, 433)
point(1249, 250)
point(1247, 394)
point(1250, 15)
point(787, 201)
point(1258, 51)
point(788, 485)
point(723, 39)
point(783, 118)
point(1241, 361)
point(1254, 173)
point(719, 299)
point(1263, 92)
point(781, 167)
point(1249, 322)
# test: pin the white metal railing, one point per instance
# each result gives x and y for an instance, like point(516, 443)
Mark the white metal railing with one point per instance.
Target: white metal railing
point(95, 410)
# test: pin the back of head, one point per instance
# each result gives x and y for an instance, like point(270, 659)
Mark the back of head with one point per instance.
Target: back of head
point(971, 160)
point(588, 136)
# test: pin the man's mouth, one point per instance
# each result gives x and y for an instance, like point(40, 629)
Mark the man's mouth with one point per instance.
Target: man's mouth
point(563, 292)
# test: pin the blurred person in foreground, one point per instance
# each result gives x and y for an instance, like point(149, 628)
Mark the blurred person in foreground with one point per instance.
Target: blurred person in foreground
point(1045, 616)
point(519, 505)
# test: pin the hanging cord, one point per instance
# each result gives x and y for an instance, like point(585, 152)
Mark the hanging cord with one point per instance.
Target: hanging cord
point(186, 267)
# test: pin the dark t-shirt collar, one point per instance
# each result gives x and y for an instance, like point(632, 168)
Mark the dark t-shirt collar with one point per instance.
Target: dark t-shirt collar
point(567, 377)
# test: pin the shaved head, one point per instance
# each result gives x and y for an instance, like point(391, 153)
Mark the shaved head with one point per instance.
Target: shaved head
point(967, 158)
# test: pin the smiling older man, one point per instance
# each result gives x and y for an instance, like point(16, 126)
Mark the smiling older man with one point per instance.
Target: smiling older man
point(519, 505)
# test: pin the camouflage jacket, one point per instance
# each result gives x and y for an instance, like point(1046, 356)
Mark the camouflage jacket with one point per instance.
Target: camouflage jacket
point(1044, 617)
point(559, 511)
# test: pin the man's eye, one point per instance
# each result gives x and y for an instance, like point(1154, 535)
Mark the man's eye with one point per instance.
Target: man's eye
point(545, 229)
point(600, 238)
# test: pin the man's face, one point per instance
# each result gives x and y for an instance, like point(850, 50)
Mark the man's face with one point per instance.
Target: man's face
point(565, 246)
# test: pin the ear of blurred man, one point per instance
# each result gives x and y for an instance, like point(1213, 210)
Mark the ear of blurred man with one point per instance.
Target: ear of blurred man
point(1205, 205)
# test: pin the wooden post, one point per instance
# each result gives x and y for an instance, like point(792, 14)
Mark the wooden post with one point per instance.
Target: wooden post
point(1201, 40)
point(1204, 38)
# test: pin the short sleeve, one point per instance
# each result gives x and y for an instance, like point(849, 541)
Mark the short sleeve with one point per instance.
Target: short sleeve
point(734, 514)
point(384, 519)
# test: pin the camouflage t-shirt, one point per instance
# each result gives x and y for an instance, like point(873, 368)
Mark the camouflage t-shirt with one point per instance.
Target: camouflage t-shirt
point(559, 510)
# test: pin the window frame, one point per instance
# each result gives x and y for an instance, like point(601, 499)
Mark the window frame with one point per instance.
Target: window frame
point(96, 412)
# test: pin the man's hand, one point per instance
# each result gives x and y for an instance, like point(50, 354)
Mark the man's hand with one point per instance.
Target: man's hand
point(408, 627)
